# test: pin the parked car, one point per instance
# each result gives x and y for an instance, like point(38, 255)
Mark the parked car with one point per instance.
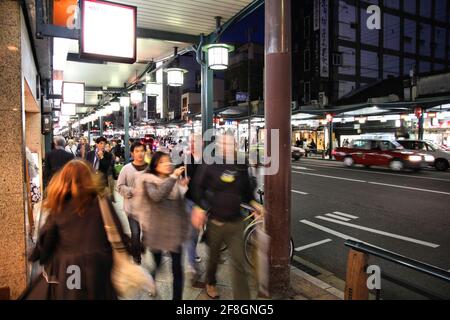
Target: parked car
point(434, 155)
point(380, 153)
point(297, 152)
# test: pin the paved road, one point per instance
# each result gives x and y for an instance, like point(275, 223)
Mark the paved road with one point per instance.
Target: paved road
point(407, 213)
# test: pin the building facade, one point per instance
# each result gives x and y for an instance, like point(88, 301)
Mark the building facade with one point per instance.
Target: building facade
point(339, 47)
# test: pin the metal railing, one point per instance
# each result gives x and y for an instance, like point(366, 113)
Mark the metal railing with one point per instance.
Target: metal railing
point(399, 259)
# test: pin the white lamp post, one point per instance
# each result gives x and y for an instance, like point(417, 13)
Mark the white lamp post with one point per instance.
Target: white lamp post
point(218, 55)
point(175, 76)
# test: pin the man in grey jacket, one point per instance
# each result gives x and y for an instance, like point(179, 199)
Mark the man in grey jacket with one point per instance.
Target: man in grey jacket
point(125, 186)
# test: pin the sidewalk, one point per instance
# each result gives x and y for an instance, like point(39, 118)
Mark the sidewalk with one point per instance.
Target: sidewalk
point(303, 285)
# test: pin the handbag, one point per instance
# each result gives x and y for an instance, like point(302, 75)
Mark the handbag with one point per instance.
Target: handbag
point(128, 278)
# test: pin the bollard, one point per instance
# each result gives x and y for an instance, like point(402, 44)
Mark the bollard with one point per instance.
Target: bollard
point(356, 279)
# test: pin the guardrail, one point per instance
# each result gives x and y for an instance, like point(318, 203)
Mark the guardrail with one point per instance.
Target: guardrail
point(356, 281)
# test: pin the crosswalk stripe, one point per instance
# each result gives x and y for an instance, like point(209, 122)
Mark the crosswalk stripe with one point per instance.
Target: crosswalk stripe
point(345, 215)
point(383, 233)
point(337, 217)
point(315, 244)
point(299, 192)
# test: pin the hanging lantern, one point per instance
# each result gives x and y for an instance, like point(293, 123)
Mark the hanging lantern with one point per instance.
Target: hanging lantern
point(175, 77)
point(152, 89)
point(115, 106)
point(218, 55)
point(136, 97)
point(68, 109)
point(124, 101)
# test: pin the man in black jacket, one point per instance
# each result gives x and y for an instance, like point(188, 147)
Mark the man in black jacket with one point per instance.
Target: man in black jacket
point(221, 188)
point(56, 159)
point(101, 160)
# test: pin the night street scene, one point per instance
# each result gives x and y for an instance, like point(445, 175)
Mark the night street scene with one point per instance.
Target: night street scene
point(248, 150)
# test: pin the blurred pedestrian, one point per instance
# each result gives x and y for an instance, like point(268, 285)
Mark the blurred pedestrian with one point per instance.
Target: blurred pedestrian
point(71, 147)
point(82, 148)
point(221, 188)
point(192, 160)
point(126, 187)
point(160, 205)
point(56, 158)
point(101, 160)
point(73, 245)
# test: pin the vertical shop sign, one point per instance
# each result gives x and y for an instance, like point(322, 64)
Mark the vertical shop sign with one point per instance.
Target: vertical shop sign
point(324, 40)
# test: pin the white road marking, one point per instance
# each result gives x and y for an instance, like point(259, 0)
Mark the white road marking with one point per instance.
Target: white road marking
point(302, 168)
point(337, 217)
point(330, 231)
point(374, 183)
point(299, 192)
point(315, 244)
point(345, 215)
point(410, 188)
point(332, 177)
point(387, 234)
point(373, 172)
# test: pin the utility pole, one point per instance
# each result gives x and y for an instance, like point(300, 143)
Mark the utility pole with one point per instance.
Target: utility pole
point(277, 98)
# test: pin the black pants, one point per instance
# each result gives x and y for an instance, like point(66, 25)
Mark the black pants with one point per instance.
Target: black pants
point(135, 239)
point(177, 272)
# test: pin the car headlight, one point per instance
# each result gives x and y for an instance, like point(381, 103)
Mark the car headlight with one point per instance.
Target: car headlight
point(429, 158)
point(415, 158)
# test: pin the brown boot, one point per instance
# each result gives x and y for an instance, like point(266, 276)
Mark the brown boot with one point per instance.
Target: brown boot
point(211, 291)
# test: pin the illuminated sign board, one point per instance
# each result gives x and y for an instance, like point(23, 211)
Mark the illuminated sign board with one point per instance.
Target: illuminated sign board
point(73, 92)
point(108, 31)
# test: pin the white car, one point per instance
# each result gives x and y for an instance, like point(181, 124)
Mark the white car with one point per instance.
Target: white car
point(434, 155)
point(297, 152)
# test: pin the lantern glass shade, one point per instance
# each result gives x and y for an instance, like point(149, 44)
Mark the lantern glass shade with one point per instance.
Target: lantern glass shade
point(136, 97)
point(218, 55)
point(175, 77)
point(152, 89)
point(68, 109)
point(115, 106)
point(125, 101)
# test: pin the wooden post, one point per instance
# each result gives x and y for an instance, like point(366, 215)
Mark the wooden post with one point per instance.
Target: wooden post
point(356, 281)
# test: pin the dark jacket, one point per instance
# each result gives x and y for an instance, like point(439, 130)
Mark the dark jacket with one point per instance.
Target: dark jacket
point(86, 151)
point(68, 239)
point(105, 166)
point(55, 160)
point(221, 188)
point(191, 170)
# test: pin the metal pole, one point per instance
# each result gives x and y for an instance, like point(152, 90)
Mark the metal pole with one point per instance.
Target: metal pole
point(207, 97)
point(100, 123)
point(248, 93)
point(421, 125)
point(278, 97)
point(330, 140)
point(126, 125)
point(89, 134)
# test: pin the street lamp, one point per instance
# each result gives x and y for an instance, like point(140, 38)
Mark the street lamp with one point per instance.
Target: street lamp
point(175, 76)
point(152, 89)
point(218, 55)
point(124, 101)
point(136, 97)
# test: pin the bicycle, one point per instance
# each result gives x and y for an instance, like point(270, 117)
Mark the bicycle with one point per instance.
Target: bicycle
point(250, 235)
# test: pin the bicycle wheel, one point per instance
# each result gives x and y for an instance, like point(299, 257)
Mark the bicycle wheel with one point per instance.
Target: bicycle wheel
point(250, 243)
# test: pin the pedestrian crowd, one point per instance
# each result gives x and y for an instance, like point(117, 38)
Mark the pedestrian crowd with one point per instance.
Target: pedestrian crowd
point(168, 206)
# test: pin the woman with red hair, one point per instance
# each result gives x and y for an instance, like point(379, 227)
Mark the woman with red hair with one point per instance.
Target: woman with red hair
point(73, 245)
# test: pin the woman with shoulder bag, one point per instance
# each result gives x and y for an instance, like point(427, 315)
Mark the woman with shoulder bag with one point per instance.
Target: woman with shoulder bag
point(73, 245)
